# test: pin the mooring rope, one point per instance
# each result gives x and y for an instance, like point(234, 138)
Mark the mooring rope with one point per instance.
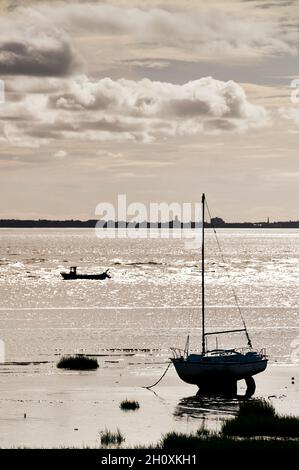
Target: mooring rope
point(163, 375)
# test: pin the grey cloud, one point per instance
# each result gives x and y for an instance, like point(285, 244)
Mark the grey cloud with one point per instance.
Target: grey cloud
point(18, 58)
point(220, 125)
point(265, 4)
point(32, 45)
point(187, 107)
point(113, 125)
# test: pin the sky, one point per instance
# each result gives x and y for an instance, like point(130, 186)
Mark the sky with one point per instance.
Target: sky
point(159, 100)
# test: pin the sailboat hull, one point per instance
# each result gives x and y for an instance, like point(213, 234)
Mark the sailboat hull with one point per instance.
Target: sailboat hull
point(199, 373)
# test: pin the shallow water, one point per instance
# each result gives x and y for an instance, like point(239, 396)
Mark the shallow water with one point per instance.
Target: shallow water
point(152, 300)
point(130, 322)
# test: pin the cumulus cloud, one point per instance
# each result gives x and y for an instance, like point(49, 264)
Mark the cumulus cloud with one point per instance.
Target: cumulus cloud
point(128, 110)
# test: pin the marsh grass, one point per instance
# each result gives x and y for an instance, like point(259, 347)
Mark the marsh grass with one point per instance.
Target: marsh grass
point(258, 418)
point(78, 362)
point(111, 438)
point(256, 426)
point(129, 405)
point(258, 407)
point(213, 441)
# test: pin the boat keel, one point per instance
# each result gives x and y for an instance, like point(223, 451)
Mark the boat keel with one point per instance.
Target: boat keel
point(225, 387)
point(250, 383)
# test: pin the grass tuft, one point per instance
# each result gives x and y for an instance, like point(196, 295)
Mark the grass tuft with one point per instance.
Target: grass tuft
point(258, 418)
point(111, 438)
point(78, 362)
point(129, 405)
point(258, 407)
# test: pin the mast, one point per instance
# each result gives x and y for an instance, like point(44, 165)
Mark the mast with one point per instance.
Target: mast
point(203, 275)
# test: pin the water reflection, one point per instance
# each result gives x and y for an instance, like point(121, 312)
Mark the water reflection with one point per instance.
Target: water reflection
point(205, 404)
point(201, 406)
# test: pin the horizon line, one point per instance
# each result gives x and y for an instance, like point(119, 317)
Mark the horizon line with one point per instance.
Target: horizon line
point(216, 222)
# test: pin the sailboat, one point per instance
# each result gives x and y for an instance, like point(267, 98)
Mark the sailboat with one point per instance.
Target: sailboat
point(218, 369)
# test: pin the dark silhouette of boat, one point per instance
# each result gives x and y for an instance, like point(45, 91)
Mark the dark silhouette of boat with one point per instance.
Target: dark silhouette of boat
point(74, 275)
point(218, 370)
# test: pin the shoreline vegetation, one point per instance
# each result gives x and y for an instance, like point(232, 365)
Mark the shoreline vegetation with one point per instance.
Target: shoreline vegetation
point(77, 362)
point(129, 405)
point(256, 426)
point(175, 441)
point(258, 417)
point(109, 438)
point(173, 224)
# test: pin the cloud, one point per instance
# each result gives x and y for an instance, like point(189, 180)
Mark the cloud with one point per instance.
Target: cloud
point(110, 155)
point(148, 64)
point(47, 39)
point(18, 58)
point(31, 45)
point(178, 32)
point(128, 110)
point(60, 154)
point(291, 117)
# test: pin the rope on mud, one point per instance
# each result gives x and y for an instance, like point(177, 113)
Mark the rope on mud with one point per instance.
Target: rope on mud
point(163, 375)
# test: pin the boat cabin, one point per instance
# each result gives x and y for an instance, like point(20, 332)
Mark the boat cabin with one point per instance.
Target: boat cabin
point(73, 270)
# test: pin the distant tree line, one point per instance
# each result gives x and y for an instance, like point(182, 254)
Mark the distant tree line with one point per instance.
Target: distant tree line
point(92, 223)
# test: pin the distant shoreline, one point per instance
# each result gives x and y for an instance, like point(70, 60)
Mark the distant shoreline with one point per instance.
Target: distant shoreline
point(43, 223)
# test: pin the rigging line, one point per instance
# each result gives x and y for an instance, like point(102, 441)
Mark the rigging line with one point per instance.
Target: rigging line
point(229, 277)
point(163, 375)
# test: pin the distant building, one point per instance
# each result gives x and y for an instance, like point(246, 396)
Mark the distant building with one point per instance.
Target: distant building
point(175, 223)
point(217, 222)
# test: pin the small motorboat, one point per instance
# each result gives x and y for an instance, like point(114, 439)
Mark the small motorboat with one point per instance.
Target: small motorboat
point(74, 275)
